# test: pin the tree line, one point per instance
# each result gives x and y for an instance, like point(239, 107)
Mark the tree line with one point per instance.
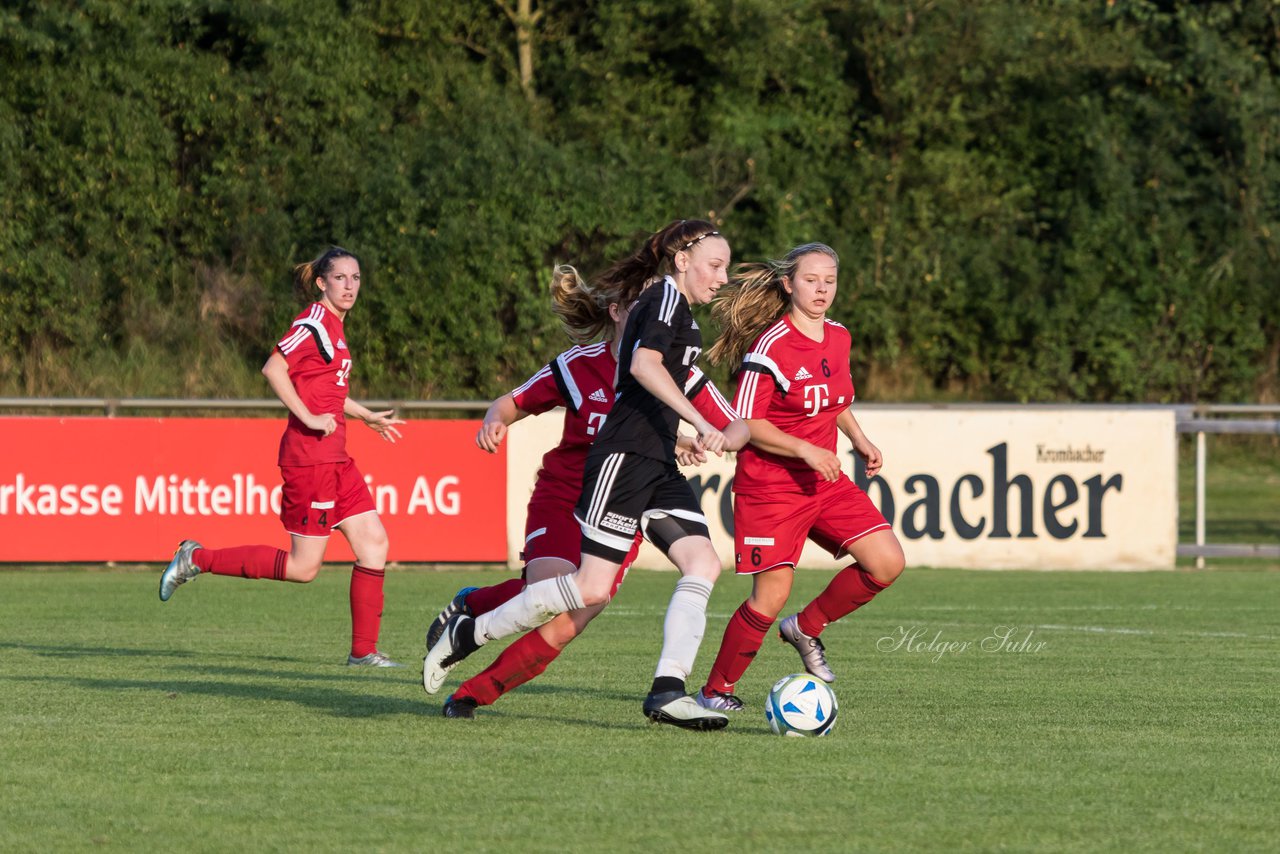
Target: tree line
point(1032, 201)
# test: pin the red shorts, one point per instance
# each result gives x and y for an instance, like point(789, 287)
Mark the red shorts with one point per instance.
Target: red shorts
point(551, 531)
point(316, 499)
point(769, 529)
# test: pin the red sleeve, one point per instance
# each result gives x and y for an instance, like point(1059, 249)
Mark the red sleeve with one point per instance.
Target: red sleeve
point(755, 391)
point(712, 406)
point(539, 393)
point(297, 344)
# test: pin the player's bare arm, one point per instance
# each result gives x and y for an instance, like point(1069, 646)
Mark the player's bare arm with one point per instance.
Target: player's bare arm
point(646, 367)
point(736, 435)
point(502, 413)
point(276, 370)
point(768, 437)
point(862, 446)
point(383, 423)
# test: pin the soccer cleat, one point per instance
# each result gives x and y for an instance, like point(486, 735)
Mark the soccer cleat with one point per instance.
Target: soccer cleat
point(719, 701)
point(463, 707)
point(812, 652)
point(679, 709)
point(373, 659)
point(180, 569)
point(456, 643)
point(457, 605)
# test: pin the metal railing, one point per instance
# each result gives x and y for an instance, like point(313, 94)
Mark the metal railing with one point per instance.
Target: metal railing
point(1199, 420)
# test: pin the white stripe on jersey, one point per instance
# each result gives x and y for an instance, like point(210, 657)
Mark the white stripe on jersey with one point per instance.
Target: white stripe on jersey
point(575, 396)
point(770, 365)
point(568, 356)
point(695, 376)
point(716, 396)
point(585, 350)
point(670, 298)
point(545, 371)
point(745, 401)
point(758, 355)
point(314, 323)
point(293, 339)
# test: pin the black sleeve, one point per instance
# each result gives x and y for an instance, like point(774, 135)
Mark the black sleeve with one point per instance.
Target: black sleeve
point(651, 331)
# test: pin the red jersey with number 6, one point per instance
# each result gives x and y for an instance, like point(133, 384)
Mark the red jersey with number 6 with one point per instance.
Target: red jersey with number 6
point(800, 386)
point(319, 365)
point(581, 379)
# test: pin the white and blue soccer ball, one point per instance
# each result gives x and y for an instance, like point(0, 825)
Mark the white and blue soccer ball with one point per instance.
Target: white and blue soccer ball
point(801, 704)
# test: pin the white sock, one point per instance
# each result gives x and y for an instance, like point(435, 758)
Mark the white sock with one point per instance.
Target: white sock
point(683, 628)
point(536, 604)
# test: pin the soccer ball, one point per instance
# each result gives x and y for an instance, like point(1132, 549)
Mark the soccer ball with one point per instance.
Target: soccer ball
point(800, 705)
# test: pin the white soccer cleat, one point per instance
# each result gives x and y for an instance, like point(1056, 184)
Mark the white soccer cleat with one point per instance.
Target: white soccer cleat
point(456, 643)
point(679, 709)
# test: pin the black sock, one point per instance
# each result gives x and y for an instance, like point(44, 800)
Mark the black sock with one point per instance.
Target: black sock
point(662, 684)
point(466, 640)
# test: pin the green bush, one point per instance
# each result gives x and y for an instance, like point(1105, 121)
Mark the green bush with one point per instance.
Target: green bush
point(1032, 202)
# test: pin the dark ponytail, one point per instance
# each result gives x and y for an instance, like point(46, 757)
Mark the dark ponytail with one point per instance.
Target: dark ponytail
point(306, 273)
point(629, 276)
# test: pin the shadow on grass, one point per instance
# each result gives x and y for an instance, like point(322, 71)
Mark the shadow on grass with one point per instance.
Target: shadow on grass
point(336, 702)
point(69, 651)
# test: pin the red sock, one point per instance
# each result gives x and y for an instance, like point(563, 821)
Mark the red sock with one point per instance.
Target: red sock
point(742, 639)
point(366, 609)
point(852, 588)
point(519, 663)
point(244, 561)
point(485, 599)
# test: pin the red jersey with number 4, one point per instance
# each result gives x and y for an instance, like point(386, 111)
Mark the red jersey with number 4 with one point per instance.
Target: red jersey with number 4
point(319, 365)
point(800, 386)
point(582, 380)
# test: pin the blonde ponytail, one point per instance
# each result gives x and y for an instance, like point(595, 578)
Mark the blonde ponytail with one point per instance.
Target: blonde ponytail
point(754, 300)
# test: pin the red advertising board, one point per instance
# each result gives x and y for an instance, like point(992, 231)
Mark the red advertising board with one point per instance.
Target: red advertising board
point(129, 489)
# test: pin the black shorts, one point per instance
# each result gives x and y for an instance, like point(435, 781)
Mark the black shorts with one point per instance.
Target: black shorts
point(623, 492)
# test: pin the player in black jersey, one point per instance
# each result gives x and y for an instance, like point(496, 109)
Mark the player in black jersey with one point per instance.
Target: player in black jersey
point(631, 480)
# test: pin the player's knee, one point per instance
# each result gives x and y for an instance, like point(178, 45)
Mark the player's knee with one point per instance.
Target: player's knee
point(302, 572)
point(372, 548)
point(594, 591)
point(885, 569)
point(768, 603)
point(707, 569)
point(560, 631)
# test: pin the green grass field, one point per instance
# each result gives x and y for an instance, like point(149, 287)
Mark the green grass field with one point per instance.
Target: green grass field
point(224, 720)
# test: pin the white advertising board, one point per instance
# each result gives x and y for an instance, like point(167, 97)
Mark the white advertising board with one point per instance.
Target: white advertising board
point(980, 488)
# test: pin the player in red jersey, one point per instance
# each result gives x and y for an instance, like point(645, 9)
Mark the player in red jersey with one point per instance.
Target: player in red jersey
point(794, 390)
point(630, 481)
point(581, 380)
point(323, 490)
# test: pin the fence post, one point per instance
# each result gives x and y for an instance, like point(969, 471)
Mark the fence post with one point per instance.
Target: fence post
point(1200, 467)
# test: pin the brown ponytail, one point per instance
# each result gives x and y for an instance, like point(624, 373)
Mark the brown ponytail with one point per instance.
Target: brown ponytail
point(654, 257)
point(583, 307)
